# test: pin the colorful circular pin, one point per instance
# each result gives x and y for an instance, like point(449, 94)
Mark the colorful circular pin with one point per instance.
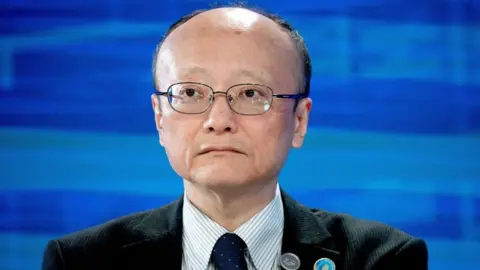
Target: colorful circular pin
point(324, 264)
point(290, 261)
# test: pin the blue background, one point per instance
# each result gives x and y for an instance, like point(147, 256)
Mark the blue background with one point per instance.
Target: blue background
point(394, 133)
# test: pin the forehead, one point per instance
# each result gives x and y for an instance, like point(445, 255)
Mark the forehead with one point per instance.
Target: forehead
point(228, 42)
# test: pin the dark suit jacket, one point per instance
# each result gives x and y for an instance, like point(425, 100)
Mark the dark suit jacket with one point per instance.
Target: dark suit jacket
point(153, 240)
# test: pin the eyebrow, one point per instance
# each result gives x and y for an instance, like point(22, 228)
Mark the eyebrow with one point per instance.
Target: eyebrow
point(198, 70)
point(251, 74)
point(193, 70)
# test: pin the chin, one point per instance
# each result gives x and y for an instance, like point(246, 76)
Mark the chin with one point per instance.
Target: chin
point(219, 177)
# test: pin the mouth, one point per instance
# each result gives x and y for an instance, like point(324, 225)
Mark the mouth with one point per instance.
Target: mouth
point(217, 149)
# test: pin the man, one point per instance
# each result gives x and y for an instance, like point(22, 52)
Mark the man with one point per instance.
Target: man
point(231, 100)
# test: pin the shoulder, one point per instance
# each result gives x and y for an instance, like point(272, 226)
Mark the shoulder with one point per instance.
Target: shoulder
point(103, 242)
point(368, 242)
point(346, 226)
point(113, 233)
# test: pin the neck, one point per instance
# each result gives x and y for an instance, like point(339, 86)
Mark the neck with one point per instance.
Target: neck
point(230, 207)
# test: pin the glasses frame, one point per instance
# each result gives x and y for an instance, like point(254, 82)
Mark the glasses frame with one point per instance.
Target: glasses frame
point(168, 94)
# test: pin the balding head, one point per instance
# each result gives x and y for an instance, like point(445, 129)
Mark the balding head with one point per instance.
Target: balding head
point(239, 20)
point(230, 19)
point(236, 34)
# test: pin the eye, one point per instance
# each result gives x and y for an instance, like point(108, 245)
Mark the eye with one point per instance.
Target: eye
point(189, 92)
point(250, 93)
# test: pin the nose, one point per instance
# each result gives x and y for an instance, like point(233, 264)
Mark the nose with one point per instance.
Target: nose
point(221, 118)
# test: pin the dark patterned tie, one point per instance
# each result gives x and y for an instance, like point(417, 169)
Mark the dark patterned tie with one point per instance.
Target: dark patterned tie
point(229, 253)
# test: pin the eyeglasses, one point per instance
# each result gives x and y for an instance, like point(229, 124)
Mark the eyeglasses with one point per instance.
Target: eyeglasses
point(244, 99)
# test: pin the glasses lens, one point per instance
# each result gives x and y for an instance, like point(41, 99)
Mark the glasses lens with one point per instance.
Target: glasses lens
point(189, 97)
point(250, 99)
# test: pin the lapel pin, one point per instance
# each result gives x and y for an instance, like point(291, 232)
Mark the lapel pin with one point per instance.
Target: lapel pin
point(290, 261)
point(324, 264)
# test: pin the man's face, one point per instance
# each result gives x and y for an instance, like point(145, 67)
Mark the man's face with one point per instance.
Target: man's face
point(221, 48)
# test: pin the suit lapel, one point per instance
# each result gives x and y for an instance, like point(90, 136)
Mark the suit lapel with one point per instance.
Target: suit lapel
point(159, 241)
point(305, 236)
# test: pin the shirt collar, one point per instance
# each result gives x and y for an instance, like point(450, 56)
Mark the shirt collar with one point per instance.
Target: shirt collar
point(262, 234)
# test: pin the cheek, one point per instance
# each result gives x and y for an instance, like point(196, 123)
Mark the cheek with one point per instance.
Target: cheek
point(178, 128)
point(178, 138)
point(272, 145)
point(171, 132)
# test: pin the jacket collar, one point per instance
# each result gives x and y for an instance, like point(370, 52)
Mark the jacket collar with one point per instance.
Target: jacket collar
point(306, 236)
point(157, 240)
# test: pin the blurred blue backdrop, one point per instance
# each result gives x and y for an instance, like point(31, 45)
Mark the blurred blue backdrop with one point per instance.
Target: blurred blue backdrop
point(394, 133)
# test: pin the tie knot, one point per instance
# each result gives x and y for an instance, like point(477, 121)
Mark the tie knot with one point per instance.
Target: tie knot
point(229, 252)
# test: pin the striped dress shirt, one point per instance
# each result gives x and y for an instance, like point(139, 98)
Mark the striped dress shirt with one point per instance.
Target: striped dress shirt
point(262, 233)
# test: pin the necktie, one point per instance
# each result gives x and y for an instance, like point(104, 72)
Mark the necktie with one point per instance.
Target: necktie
point(229, 253)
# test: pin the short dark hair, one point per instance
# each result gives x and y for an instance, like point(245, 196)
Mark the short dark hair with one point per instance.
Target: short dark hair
point(282, 23)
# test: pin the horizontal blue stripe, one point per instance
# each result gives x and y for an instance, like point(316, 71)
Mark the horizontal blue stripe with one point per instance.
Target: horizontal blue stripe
point(62, 212)
point(58, 212)
point(402, 106)
point(393, 11)
point(476, 217)
point(460, 11)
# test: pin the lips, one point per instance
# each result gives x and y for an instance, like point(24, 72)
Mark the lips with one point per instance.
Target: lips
point(219, 149)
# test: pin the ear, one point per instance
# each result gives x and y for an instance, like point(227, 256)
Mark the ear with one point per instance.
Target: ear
point(302, 113)
point(158, 116)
